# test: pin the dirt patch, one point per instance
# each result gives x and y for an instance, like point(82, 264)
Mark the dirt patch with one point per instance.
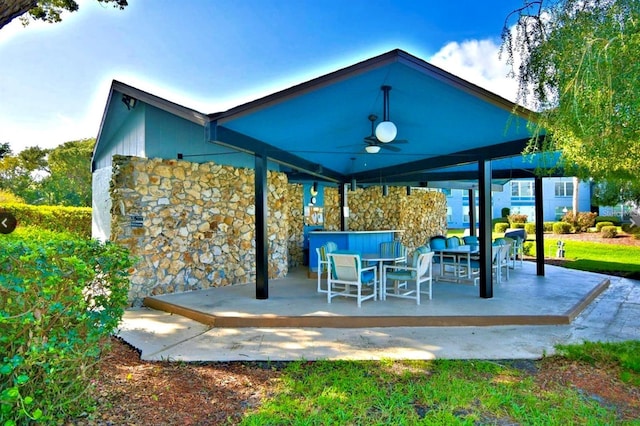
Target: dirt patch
point(134, 392)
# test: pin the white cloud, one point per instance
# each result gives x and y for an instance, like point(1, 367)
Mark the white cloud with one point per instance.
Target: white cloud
point(478, 62)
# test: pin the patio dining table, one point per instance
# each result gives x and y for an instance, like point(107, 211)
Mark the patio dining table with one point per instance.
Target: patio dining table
point(462, 256)
point(377, 257)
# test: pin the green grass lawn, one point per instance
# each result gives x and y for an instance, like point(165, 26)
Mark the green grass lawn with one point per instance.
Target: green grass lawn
point(596, 257)
point(438, 392)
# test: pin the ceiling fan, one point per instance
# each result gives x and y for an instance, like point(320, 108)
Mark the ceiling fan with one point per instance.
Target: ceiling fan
point(373, 144)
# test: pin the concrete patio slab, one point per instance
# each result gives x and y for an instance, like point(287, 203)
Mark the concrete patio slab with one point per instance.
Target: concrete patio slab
point(613, 315)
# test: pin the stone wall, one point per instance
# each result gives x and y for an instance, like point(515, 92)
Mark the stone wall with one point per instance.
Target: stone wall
point(295, 194)
point(192, 226)
point(332, 210)
point(421, 215)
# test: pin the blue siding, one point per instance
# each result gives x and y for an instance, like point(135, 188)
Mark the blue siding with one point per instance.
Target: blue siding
point(129, 139)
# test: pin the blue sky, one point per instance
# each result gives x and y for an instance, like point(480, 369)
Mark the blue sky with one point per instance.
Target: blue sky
point(211, 55)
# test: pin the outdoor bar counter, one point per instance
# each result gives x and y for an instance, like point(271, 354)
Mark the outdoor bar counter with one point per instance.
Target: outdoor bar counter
point(358, 241)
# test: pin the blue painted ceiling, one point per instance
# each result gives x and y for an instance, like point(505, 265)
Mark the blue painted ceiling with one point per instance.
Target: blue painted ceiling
point(444, 119)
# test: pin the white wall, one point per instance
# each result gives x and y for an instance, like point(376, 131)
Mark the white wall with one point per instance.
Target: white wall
point(101, 204)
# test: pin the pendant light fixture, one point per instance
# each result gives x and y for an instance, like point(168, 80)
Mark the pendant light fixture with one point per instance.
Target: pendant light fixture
point(386, 130)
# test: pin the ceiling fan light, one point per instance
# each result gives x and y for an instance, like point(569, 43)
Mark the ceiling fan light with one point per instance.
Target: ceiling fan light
point(386, 131)
point(372, 149)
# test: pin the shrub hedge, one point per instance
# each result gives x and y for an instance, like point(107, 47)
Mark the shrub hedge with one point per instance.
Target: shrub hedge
point(609, 231)
point(629, 228)
point(599, 225)
point(76, 220)
point(613, 219)
point(561, 228)
point(530, 228)
point(548, 226)
point(499, 220)
point(517, 218)
point(60, 298)
point(581, 221)
point(501, 227)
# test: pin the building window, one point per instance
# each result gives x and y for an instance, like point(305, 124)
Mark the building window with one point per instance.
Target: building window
point(449, 214)
point(446, 191)
point(521, 189)
point(564, 189)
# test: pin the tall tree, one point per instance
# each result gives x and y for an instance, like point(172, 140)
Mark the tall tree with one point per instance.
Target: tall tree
point(578, 65)
point(614, 192)
point(44, 10)
point(70, 180)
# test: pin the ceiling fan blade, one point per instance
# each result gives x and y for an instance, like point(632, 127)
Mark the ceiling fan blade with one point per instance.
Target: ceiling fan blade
point(371, 138)
point(399, 141)
point(389, 147)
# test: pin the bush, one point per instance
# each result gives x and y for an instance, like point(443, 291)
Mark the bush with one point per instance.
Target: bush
point(609, 231)
point(59, 301)
point(581, 221)
point(518, 225)
point(526, 247)
point(548, 226)
point(530, 228)
point(8, 197)
point(76, 220)
point(599, 225)
point(629, 228)
point(613, 219)
point(505, 212)
point(517, 218)
point(501, 227)
point(499, 220)
point(561, 228)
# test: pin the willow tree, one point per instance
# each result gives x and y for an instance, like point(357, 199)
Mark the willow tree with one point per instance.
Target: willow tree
point(578, 65)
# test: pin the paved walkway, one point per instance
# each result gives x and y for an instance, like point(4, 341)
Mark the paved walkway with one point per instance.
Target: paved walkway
point(613, 316)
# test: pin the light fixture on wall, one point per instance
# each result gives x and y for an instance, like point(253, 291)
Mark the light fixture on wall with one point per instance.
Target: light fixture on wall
point(130, 102)
point(386, 130)
point(408, 190)
point(372, 149)
point(314, 192)
point(385, 190)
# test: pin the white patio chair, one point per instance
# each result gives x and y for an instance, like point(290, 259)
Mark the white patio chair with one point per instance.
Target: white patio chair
point(419, 272)
point(503, 260)
point(475, 265)
point(346, 270)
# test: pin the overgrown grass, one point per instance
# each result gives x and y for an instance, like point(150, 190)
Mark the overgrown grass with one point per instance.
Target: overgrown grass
point(429, 392)
point(626, 355)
